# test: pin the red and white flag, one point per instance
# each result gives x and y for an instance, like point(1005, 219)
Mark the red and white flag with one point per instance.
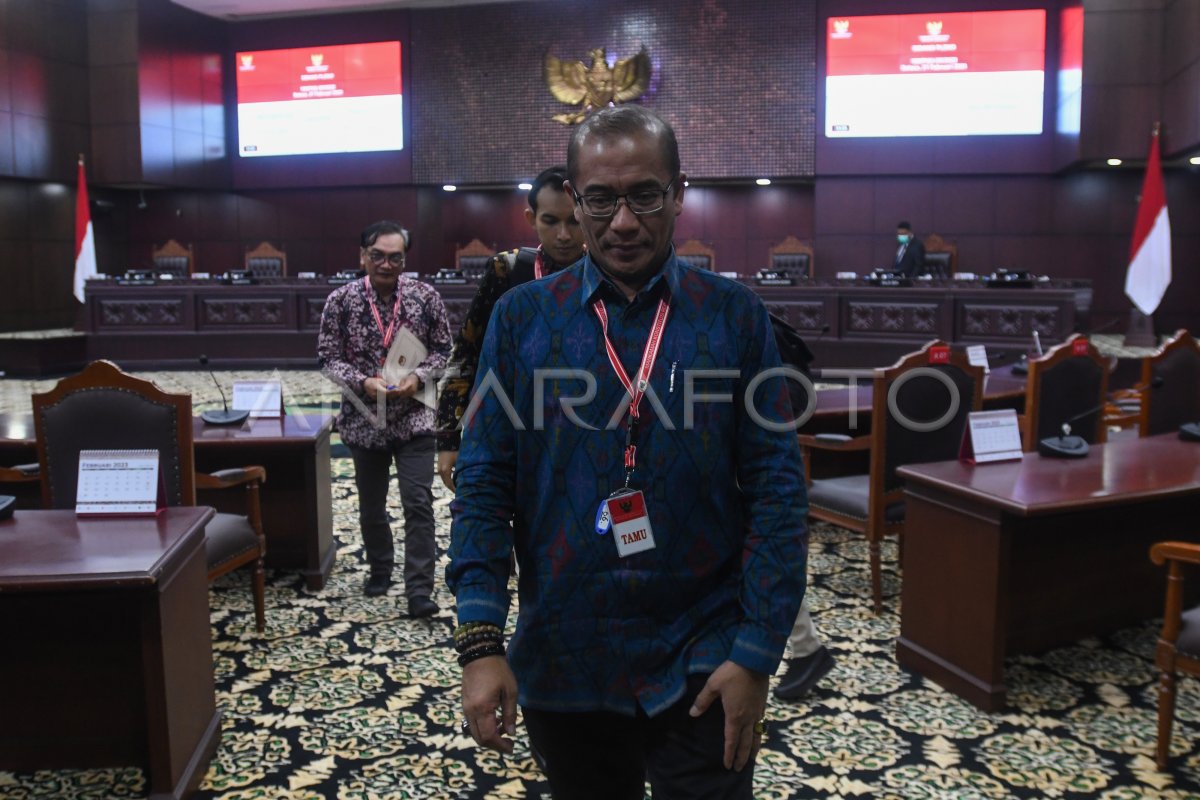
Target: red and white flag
point(1150, 256)
point(85, 244)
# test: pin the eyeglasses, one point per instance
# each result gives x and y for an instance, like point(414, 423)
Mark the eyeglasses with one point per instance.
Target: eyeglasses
point(643, 201)
point(378, 257)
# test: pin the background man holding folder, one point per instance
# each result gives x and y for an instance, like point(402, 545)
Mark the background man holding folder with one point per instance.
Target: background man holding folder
point(359, 325)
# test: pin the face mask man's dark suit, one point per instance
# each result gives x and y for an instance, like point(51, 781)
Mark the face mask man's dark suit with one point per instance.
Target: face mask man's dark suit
point(911, 261)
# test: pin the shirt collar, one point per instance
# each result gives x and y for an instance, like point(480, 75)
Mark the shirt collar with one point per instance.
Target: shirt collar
point(594, 279)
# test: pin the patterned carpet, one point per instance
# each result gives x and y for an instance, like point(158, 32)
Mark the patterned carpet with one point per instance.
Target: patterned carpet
point(346, 698)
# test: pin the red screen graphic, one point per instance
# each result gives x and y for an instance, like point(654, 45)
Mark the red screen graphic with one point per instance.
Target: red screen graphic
point(336, 98)
point(983, 70)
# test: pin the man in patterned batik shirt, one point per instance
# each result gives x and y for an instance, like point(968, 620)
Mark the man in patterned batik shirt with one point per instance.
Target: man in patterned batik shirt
point(652, 489)
point(551, 213)
point(358, 325)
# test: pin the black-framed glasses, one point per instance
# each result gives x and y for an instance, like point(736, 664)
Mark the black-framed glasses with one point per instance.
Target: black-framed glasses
point(378, 257)
point(643, 201)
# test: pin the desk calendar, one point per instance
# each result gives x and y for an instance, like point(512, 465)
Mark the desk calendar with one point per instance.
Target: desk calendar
point(119, 482)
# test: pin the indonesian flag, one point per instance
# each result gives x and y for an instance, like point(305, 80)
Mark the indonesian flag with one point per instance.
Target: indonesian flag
point(1150, 256)
point(85, 244)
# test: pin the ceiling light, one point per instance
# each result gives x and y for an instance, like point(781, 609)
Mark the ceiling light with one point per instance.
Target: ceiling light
point(687, 183)
point(1194, 160)
point(524, 187)
point(1114, 162)
point(763, 181)
point(449, 187)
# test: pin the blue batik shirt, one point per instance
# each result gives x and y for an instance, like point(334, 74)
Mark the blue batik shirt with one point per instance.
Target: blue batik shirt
point(726, 498)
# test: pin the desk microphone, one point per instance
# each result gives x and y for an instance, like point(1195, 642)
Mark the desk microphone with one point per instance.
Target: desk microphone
point(225, 417)
point(1067, 446)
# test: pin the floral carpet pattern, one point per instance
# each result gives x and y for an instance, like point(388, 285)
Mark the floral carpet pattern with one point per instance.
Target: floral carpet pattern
point(345, 697)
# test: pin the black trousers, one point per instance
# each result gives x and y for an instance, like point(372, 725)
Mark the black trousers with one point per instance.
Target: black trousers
point(609, 756)
point(414, 475)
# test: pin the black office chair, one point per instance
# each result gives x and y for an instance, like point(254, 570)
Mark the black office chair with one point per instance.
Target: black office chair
point(1062, 384)
point(103, 408)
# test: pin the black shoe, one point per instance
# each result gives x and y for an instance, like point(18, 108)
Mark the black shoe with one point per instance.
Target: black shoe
point(421, 606)
point(377, 585)
point(803, 673)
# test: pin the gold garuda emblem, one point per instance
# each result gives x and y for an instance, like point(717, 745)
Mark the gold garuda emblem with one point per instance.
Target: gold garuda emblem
point(597, 86)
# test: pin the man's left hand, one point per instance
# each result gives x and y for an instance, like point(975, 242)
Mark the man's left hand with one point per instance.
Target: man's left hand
point(743, 694)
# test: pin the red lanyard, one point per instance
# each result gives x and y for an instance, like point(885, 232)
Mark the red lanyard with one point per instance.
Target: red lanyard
point(391, 328)
point(638, 390)
point(539, 268)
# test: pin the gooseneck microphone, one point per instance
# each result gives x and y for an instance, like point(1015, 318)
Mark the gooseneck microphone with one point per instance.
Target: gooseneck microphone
point(1065, 445)
point(225, 417)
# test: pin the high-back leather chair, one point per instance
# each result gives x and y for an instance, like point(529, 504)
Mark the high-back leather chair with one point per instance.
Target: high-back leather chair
point(941, 257)
point(1177, 399)
point(266, 261)
point(1179, 643)
point(103, 408)
point(918, 414)
point(791, 256)
point(698, 254)
point(474, 258)
point(1068, 380)
point(172, 259)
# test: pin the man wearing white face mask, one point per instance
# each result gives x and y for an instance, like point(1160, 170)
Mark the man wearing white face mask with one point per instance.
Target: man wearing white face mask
point(910, 254)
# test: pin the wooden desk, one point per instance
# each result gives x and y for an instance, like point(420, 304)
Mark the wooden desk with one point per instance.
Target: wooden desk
point(107, 645)
point(1022, 556)
point(297, 499)
point(849, 410)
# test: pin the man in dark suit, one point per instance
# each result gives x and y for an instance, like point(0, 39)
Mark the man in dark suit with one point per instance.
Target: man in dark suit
point(910, 255)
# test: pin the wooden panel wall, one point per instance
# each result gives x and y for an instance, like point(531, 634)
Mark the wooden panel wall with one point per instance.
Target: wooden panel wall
point(1181, 77)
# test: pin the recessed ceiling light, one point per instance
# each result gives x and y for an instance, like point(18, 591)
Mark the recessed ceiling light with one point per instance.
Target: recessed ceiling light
point(1194, 160)
point(763, 181)
point(449, 187)
point(524, 187)
point(1114, 162)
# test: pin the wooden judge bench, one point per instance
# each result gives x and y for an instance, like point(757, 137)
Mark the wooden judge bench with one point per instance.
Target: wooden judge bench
point(274, 323)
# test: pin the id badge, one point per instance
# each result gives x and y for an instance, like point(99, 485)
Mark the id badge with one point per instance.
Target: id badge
point(630, 524)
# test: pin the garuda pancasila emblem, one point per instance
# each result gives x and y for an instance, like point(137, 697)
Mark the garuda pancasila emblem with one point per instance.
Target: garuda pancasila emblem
point(597, 86)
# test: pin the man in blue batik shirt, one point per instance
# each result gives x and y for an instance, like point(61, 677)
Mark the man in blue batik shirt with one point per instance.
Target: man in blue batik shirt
point(662, 563)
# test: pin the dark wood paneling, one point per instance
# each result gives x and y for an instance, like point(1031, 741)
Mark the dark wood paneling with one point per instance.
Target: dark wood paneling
point(113, 92)
point(1022, 205)
point(112, 37)
point(1122, 48)
point(1181, 111)
point(1181, 45)
point(117, 154)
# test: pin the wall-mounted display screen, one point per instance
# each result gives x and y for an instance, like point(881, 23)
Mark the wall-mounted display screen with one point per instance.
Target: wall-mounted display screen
point(337, 99)
point(953, 74)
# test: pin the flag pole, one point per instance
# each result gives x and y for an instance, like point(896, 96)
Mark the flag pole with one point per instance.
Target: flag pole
point(1150, 259)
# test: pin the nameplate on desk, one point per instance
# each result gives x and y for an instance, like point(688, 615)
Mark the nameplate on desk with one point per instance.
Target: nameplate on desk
point(136, 282)
point(450, 281)
point(991, 436)
point(977, 356)
point(775, 281)
point(260, 398)
point(116, 482)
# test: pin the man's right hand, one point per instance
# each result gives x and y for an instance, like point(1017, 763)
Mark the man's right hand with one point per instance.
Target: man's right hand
point(489, 696)
point(446, 461)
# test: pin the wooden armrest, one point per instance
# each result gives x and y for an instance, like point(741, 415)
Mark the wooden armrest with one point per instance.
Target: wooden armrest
point(228, 478)
point(835, 442)
point(1162, 552)
point(20, 473)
